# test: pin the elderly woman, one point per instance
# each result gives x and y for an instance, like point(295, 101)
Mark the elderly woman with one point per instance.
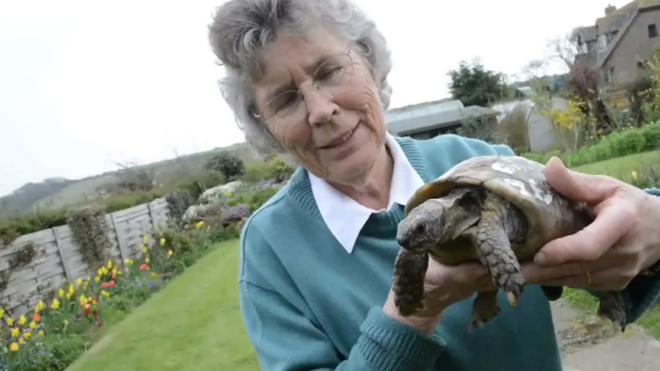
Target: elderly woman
point(308, 79)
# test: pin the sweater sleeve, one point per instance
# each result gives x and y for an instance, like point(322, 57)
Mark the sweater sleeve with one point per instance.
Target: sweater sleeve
point(285, 340)
point(643, 291)
point(286, 336)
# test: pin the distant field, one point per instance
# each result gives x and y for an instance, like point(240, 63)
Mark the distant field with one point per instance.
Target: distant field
point(621, 167)
point(163, 171)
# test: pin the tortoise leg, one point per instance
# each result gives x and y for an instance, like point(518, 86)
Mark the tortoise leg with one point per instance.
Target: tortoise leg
point(495, 253)
point(408, 281)
point(484, 308)
point(552, 292)
point(613, 307)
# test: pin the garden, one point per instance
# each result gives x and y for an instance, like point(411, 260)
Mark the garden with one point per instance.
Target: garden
point(175, 305)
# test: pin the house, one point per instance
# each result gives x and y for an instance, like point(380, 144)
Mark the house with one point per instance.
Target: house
point(430, 119)
point(619, 43)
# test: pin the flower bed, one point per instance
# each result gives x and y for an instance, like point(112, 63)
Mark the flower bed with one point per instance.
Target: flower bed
point(54, 333)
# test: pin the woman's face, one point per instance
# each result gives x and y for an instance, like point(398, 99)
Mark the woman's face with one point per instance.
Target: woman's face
point(334, 127)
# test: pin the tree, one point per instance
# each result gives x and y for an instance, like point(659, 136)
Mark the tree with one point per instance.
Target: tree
point(228, 164)
point(472, 84)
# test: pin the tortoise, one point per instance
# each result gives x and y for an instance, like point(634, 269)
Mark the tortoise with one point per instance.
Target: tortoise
point(498, 210)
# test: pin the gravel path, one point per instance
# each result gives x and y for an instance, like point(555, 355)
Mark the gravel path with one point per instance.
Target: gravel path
point(589, 344)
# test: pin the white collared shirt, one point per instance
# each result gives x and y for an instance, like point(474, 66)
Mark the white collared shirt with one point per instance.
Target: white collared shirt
point(344, 216)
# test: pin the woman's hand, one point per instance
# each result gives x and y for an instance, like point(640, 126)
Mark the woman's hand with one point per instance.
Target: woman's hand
point(606, 255)
point(443, 287)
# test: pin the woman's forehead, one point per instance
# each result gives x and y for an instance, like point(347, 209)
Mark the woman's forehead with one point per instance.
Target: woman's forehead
point(290, 51)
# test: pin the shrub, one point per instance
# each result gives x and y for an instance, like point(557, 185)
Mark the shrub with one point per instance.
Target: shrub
point(255, 199)
point(90, 233)
point(178, 202)
point(228, 164)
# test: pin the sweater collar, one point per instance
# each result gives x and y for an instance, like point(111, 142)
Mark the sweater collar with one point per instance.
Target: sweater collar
point(344, 217)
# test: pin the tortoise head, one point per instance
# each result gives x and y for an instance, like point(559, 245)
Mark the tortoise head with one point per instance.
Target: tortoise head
point(438, 220)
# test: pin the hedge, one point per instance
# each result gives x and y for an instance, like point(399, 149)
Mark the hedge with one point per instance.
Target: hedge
point(617, 144)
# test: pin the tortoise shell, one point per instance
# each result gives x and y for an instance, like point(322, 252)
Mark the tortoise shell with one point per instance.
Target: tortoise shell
point(520, 181)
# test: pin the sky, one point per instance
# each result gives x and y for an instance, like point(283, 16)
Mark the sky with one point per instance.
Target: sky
point(87, 85)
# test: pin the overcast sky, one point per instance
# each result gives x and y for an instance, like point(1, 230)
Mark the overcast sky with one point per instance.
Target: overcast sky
point(87, 84)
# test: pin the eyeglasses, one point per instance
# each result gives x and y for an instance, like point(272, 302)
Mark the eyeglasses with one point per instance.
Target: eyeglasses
point(334, 72)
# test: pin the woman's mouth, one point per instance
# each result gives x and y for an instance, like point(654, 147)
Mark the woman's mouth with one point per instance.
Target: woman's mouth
point(338, 142)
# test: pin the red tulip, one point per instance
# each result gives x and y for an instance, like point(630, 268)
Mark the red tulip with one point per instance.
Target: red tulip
point(111, 284)
point(143, 267)
point(104, 285)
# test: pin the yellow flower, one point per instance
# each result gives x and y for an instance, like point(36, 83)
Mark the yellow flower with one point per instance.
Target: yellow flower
point(99, 272)
point(126, 269)
point(79, 282)
point(634, 175)
point(2, 312)
point(162, 241)
point(97, 278)
point(169, 253)
point(128, 262)
point(144, 250)
point(10, 321)
point(146, 260)
point(71, 288)
point(109, 264)
point(145, 239)
point(61, 293)
point(13, 347)
point(55, 304)
point(40, 333)
point(105, 294)
point(154, 274)
point(15, 332)
point(22, 320)
point(21, 341)
point(69, 295)
point(33, 325)
point(199, 225)
point(114, 271)
point(105, 270)
point(40, 306)
point(27, 335)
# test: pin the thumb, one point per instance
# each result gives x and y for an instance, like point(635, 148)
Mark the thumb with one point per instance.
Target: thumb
point(577, 186)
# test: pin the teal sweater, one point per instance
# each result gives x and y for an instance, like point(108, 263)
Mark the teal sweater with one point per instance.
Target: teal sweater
point(309, 305)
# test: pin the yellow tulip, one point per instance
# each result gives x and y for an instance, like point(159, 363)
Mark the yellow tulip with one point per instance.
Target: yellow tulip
point(40, 333)
point(15, 332)
point(21, 341)
point(33, 325)
point(634, 175)
point(145, 239)
point(22, 320)
point(61, 293)
point(109, 264)
point(146, 260)
point(162, 241)
point(79, 282)
point(55, 304)
point(97, 278)
point(2, 312)
point(10, 321)
point(13, 347)
point(27, 335)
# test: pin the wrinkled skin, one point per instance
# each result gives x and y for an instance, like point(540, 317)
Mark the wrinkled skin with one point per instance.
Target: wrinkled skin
point(471, 223)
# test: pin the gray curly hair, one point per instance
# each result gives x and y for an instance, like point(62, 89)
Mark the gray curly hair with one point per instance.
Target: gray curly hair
point(240, 28)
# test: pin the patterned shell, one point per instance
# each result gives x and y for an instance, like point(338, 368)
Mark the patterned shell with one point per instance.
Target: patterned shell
point(518, 180)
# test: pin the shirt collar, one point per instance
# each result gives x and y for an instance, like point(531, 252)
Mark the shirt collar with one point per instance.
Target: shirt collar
point(344, 216)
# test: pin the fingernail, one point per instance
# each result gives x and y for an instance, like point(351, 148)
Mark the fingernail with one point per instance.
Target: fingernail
point(540, 258)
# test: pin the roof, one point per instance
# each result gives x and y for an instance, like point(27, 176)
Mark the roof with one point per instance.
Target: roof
point(526, 91)
point(431, 115)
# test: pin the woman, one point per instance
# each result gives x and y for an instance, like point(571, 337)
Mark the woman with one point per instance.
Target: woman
point(308, 79)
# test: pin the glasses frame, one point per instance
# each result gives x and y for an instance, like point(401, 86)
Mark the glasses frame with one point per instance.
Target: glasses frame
point(260, 115)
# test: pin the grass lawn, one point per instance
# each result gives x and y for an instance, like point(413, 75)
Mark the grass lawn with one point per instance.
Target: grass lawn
point(193, 324)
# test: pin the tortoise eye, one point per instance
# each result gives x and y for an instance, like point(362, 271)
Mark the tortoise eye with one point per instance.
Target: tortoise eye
point(420, 229)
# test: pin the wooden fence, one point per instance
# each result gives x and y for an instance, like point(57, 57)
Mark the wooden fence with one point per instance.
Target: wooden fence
point(58, 258)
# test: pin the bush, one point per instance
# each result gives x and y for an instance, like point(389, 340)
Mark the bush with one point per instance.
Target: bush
point(625, 142)
point(254, 199)
point(228, 164)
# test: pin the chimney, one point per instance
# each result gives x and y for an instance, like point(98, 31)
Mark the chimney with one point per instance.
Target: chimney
point(609, 10)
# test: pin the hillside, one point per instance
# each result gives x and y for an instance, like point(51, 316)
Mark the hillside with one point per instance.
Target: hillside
point(58, 192)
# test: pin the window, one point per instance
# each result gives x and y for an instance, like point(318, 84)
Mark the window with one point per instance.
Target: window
point(653, 30)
